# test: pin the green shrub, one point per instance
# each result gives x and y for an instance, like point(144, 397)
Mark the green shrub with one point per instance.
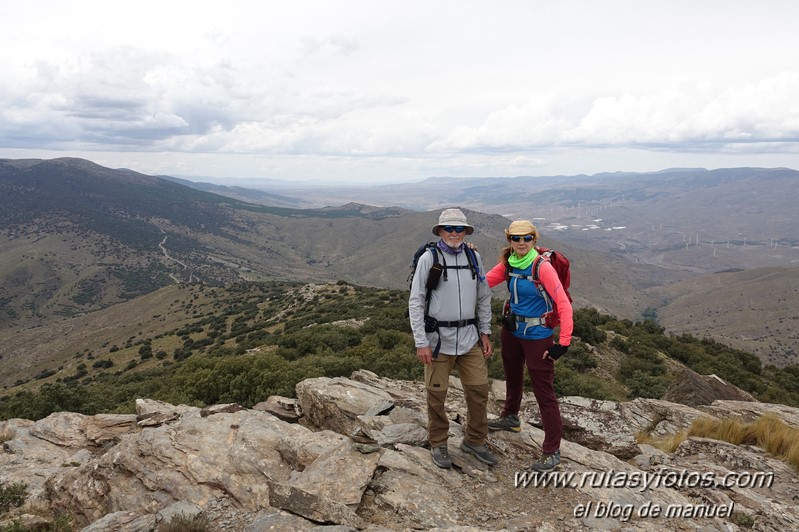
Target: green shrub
point(570, 382)
point(643, 359)
point(620, 343)
point(585, 326)
point(12, 496)
point(647, 386)
point(578, 359)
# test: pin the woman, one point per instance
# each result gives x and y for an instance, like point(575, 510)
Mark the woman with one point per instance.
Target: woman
point(526, 340)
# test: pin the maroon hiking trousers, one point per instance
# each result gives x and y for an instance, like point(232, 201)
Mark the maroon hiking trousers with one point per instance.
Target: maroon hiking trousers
point(516, 353)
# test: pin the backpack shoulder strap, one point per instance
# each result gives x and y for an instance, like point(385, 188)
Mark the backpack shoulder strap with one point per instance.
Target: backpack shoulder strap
point(432, 248)
point(539, 260)
point(471, 257)
point(537, 266)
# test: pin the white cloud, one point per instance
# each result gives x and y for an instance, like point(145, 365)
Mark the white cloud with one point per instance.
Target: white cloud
point(409, 87)
point(763, 112)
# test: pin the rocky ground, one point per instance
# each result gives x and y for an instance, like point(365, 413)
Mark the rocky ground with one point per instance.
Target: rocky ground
point(350, 454)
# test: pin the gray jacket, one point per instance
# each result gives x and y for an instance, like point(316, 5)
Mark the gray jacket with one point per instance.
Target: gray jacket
point(457, 298)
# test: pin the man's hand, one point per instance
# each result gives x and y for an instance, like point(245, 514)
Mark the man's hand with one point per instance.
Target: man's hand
point(425, 355)
point(488, 349)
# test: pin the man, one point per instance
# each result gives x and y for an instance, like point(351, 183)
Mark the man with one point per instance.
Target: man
point(453, 332)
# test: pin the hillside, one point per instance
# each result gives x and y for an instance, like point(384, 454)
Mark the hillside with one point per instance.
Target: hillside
point(673, 225)
point(77, 238)
point(751, 309)
point(202, 345)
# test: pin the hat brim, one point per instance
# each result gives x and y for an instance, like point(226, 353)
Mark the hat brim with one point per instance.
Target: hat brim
point(508, 234)
point(469, 229)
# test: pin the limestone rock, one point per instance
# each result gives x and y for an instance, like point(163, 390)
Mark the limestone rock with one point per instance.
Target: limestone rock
point(249, 470)
point(283, 408)
point(659, 418)
point(592, 423)
point(314, 507)
point(341, 474)
point(228, 408)
point(748, 411)
point(67, 429)
point(692, 389)
point(336, 403)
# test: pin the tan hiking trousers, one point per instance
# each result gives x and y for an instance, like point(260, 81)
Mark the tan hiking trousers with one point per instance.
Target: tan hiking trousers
point(474, 377)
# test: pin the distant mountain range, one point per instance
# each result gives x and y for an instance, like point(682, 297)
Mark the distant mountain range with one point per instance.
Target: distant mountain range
point(77, 237)
point(251, 195)
point(739, 217)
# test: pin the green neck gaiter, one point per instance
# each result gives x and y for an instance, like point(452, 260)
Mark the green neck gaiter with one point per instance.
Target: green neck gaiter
point(522, 263)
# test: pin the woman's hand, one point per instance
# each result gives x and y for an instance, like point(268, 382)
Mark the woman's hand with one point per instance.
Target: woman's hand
point(555, 352)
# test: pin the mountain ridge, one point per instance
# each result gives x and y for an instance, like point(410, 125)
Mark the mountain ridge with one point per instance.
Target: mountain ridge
point(86, 242)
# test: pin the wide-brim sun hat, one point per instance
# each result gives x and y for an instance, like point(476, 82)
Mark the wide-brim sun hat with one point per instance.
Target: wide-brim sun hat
point(520, 228)
point(452, 217)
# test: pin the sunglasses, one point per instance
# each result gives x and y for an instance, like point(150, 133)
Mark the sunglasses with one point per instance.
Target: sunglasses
point(526, 238)
point(451, 228)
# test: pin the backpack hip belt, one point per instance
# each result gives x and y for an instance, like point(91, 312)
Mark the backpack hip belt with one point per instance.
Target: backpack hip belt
point(432, 325)
point(459, 323)
point(531, 321)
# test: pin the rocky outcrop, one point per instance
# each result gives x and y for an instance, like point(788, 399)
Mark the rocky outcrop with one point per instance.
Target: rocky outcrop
point(692, 389)
point(350, 454)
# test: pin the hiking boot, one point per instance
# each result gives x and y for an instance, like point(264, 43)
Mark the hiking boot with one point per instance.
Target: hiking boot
point(480, 452)
point(547, 462)
point(441, 456)
point(509, 422)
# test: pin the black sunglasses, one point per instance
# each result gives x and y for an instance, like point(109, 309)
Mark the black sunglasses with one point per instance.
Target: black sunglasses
point(451, 228)
point(517, 238)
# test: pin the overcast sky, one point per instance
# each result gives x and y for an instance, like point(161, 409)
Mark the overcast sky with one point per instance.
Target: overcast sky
point(393, 91)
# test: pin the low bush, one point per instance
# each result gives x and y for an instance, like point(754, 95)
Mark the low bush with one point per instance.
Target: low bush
point(12, 496)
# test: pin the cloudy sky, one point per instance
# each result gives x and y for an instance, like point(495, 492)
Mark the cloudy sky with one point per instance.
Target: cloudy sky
point(393, 91)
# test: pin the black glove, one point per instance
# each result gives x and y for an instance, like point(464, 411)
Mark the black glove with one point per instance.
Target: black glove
point(557, 351)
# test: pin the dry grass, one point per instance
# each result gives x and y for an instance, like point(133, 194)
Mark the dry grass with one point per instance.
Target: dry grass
point(667, 444)
point(727, 429)
point(768, 432)
point(56, 345)
point(778, 438)
point(793, 456)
